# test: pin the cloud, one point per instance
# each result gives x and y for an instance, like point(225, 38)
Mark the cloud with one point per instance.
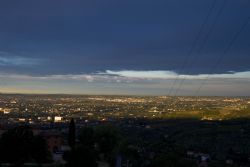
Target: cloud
point(8, 59)
point(129, 76)
point(67, 77)
point(127, 82)
point(141, 74)
point(173, 75)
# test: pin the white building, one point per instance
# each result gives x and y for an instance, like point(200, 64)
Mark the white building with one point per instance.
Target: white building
point(58, 119)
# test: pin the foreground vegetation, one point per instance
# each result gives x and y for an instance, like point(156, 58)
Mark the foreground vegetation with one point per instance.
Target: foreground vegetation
point(141, 143)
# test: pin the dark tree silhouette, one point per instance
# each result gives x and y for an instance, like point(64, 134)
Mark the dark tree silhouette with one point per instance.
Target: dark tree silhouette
point(107, 138)
point(82, 156)
point(84, 153)
point(108, 142)
point(19, 145)
point(94, 142)
point(72, 133)
point(87, 137)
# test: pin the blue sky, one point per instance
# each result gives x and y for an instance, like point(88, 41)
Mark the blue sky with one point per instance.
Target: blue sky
point(124, 47)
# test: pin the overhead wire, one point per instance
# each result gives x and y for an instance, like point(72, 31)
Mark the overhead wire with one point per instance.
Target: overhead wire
point(221, 57)
point(214, 23)
point(188, 56)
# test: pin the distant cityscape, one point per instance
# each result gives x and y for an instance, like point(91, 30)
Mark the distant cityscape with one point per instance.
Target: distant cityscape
point(46, 109)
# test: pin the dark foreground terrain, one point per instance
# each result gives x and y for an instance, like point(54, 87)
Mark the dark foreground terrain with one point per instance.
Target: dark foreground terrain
point(89, 131)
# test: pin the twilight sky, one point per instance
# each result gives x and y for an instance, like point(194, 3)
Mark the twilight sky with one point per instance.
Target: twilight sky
point(139, 47)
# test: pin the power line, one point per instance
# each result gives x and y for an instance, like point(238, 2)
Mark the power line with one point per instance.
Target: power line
point(193, 45)
point(219, 60)
point(204, 42)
